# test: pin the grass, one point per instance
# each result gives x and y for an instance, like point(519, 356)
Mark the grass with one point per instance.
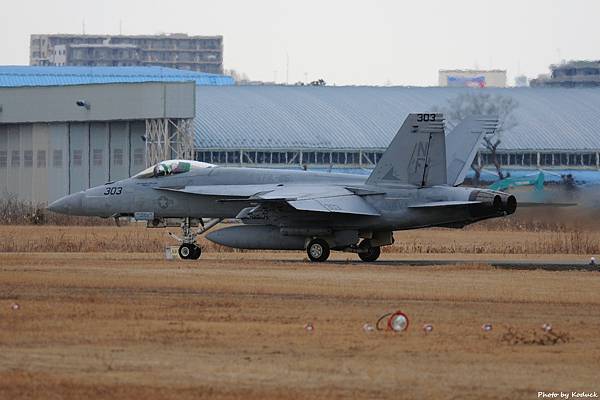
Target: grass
point(26, 227)
point(136, 238)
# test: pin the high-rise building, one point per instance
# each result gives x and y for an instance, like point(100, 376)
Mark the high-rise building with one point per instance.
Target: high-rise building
point(195, 53)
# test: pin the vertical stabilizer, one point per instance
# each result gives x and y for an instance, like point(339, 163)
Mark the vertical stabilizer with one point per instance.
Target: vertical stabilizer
point(463, 143)
point(416, 156)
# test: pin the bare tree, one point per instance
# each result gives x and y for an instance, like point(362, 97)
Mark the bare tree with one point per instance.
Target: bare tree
point(240, 78)
point(472, 103)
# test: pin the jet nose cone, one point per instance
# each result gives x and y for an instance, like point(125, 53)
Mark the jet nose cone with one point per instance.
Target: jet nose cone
point(71, 204)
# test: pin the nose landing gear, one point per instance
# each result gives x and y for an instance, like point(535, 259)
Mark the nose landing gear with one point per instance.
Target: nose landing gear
point(189, 249)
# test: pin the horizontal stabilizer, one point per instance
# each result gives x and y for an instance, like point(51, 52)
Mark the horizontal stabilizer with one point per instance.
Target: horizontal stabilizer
point(342, 205)
point(440, 204)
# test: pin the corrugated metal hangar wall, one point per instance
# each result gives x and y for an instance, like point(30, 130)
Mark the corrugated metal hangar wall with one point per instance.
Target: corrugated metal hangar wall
point(50, 146)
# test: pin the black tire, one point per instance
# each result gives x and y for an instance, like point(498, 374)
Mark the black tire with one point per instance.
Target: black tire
point(372, 254)
point(186, 251)
point(318, 250)
point(197, 253)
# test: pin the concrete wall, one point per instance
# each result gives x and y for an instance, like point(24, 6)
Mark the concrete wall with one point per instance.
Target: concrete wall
point(107, 102)
point(42, 162)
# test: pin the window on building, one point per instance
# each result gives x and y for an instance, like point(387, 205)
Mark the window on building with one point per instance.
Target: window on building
point(138, 156)
point(220, 156)
point(352, 158)
point(545, 159)
point(233, 157)
point(323, 158)
point(3, 159)
point(28, 158)
point(203, 156)
point(41, 158)
point(118, 157)
point(15, 160)
point(293, 157)
point(262, 157)
point(249, 157)
point(485, 159)
point(97, 155)
point(368, 158)
point(589, 159)
point(57, 158)
point(77, 158)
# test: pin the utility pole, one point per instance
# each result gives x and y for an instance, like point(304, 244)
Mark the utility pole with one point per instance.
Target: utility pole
point(287, 68)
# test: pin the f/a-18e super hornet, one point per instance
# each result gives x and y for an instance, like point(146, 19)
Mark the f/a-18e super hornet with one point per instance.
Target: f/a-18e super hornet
point(414, 185)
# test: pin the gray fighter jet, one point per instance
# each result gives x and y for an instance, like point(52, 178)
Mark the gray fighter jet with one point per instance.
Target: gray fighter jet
point(413, 186)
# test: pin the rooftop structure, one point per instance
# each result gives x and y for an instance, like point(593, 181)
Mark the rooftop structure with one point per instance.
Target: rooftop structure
point(251, 125)
point(473, 78)
point(15, 76)
point(180, 51)
point(571, 74)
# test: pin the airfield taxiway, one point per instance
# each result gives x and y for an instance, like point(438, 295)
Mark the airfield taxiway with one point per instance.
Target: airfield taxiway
point(122, 325)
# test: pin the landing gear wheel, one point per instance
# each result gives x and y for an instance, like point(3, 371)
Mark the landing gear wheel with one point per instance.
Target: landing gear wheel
point(196, 253)
point(187, 251)
point(372, 253)
point(318, 250)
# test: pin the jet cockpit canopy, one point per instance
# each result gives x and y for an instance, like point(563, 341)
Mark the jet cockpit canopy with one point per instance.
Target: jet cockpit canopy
point(171, 167)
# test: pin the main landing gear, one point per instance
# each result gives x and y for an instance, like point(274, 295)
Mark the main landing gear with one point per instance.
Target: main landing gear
point(368, 253)
point(189, 249)
point(318, 250)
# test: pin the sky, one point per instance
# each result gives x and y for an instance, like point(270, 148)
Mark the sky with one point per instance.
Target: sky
point(344, 42)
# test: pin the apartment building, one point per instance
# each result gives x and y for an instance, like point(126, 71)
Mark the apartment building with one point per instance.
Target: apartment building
point(194, 53)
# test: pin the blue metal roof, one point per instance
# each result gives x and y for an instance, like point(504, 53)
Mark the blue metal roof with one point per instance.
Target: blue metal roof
point(17, 76)
point(282, 117)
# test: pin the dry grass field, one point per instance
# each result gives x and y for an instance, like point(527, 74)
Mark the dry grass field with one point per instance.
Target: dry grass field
point(96, 320)
point(135, 238)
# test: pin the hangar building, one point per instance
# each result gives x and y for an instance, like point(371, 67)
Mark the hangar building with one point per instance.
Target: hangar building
point(552, 128)
point(65, 129)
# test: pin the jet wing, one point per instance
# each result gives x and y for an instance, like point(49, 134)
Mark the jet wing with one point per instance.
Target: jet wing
point(222, 190)
point(302, 197)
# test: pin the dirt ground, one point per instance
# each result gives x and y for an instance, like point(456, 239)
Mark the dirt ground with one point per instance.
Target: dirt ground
point(118, 325)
